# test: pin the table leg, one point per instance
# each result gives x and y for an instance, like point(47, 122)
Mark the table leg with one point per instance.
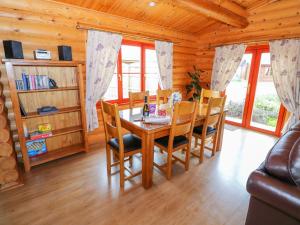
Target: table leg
point(148, 152)
point(221, 132)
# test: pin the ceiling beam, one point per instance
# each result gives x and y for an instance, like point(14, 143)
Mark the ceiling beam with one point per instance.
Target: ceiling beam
point(215, 11)
point(260, 3)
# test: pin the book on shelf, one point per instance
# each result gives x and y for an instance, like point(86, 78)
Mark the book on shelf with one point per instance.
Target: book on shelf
point(39, 135)
point(36, 147)
point(22, 109)
point(33, 82)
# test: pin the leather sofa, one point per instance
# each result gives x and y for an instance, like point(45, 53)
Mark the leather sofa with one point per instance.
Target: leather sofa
point(275, 185)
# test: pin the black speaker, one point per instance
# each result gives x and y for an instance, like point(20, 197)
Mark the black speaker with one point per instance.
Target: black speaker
point(65, 53)
point(13, 49)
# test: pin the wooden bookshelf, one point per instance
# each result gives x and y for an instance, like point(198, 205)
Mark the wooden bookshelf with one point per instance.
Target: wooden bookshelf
point(56, 154)
point(68, 123)
point(48, 90)
point(61, 110)
point(63, 131)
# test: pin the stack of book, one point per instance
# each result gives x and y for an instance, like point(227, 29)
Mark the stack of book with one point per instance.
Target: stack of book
point(44, 131)
point(32, 82)
point(36, 147)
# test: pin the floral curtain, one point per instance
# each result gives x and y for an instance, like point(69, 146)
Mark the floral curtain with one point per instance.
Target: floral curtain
point(285, 65)
point(226, 61)
point(101, 59)
point(164, 52)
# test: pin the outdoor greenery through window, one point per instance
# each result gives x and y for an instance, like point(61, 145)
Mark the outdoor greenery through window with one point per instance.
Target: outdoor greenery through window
point(136, 70)
point(252, 100)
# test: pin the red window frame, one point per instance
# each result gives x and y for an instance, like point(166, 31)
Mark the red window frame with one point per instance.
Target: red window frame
point(256, 52)
point(144, 47)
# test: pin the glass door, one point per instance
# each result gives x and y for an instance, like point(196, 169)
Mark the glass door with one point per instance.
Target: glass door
point(252, 100)
point(237, 92)
point(265, 110)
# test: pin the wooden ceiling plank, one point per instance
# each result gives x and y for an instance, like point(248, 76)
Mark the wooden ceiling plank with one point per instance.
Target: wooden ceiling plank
point(214, 11)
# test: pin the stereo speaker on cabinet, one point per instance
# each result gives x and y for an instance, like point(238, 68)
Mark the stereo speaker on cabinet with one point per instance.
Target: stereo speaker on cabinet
point(65, 53)
point(13, 49)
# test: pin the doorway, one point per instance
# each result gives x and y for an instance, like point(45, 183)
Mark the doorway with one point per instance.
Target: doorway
point(252, 100)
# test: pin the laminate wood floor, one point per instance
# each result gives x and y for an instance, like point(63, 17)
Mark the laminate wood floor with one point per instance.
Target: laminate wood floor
point(77, 191)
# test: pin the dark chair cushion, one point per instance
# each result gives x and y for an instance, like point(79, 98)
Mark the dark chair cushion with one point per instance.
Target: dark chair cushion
point(198, 130)
point(130, 141)
point(179, 140)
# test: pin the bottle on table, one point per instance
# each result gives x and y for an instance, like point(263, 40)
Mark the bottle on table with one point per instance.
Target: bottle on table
point(146, 110)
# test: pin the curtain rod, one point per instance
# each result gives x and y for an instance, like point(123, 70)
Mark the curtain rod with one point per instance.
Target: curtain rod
point(81, 26)
point(262, 41)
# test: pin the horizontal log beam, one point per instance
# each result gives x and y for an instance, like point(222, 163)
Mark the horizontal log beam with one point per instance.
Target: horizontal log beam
point(214, 11)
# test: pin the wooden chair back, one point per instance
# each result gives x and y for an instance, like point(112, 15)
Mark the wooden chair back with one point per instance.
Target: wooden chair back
point(183, 120)
point(213, 119)
point(137, 97)
point(206, 94)
point(112, 122)
point(162, 96)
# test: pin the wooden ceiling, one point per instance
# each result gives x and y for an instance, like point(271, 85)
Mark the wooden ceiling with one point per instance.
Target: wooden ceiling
point(191, 16)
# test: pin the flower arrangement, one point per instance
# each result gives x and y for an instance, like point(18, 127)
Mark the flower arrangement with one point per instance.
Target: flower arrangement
point(174, 98)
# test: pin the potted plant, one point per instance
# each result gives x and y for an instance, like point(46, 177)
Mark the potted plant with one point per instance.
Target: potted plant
point(194, 88)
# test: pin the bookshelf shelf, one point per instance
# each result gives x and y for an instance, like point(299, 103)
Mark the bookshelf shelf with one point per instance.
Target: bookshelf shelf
point(49, 90)
point(66, 138)
point(63, 131)
point(60, 111)
point(56, 154)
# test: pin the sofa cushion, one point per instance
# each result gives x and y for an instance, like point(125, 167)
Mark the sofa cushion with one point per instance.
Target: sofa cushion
point(294, 163)
point(283, 159)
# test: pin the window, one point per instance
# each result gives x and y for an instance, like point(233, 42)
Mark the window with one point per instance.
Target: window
point(136, 70)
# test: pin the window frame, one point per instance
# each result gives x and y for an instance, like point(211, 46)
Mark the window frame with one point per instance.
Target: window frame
point(144, 46)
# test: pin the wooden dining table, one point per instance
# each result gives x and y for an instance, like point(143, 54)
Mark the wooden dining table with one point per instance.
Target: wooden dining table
point(131, 121)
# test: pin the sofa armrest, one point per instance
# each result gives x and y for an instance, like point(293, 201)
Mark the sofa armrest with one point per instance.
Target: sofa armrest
point(280, 195)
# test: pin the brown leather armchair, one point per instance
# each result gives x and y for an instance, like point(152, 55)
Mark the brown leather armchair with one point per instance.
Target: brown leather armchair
point(275, 185)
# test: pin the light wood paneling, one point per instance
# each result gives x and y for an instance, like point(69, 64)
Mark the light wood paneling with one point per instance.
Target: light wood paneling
point(46, 24)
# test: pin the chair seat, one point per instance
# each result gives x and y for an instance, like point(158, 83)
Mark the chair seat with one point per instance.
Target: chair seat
point(130, 141)
point(198, 130)
point(178, 140)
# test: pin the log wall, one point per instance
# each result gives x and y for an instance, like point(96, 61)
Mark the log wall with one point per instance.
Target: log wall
point(273, 21)
point(46, 24)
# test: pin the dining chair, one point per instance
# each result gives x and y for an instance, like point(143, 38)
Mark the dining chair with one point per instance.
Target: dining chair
point(210, 128)
point(206, 94)
point(180, 136)
point(137, 97)
point(122, 146)
point(162, 96)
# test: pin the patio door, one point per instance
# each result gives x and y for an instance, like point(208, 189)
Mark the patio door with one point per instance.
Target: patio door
point(252, 99)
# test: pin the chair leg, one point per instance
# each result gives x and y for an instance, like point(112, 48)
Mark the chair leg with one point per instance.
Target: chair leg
point(130, 161)
point(122, 172)
point(187, 158)
point(108, 160)
point(169, 165)
point(196, 142)
point(215, 141)
point(201, 151)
